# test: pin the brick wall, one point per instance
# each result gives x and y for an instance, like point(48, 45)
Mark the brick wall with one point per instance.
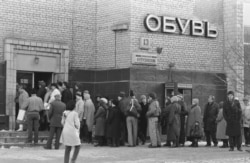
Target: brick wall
point(111, 53)
point(188, 53)
point(70, 22)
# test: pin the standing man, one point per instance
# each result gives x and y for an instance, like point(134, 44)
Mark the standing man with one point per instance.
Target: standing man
point(122, 106)
point(153, 113)
point(80, 110)
point(233, 114)
point(66, 93)
point(143, 124)
point(183, 115)
point(132, 112)
point(55, 115)
point(89, 111)
point(209, 119)
point(22, 98)
point(33, 106)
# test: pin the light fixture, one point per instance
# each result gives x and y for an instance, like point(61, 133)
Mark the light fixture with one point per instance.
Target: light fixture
point(36, 60)
point(159, 50)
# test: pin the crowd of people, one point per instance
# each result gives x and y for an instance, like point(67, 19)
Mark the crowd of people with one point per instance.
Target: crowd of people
point(74, 118)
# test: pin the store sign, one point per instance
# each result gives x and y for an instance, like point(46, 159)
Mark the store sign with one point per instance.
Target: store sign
point(167, 24)
point(144, 58)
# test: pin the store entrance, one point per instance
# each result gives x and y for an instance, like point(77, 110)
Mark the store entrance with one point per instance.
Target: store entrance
point(42, 76)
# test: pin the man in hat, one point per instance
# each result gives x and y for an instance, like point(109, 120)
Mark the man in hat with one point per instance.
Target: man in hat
point(57, 108)
point(183, 115)
point(122, 106)
point(233, 114)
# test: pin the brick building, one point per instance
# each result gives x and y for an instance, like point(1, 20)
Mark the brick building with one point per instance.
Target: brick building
point(165, 46)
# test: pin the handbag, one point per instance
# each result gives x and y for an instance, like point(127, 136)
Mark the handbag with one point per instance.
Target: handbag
point(20, 117)
point(132, 111)
point(196, 130)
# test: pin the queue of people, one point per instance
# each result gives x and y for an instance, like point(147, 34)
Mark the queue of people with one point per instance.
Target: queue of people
point(129, 121)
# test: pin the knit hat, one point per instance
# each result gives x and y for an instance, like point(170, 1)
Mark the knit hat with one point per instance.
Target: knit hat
point(230, 93)
point(104, 100)
point(152, 95)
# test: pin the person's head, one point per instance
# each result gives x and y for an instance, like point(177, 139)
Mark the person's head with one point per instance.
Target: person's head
point(121, 96)
point(230, 95)
point(195, 101)
point(151, 96)
point(104, 103)
point(180, 97)
point(41, 84)
point(20, 88)
point(65, 85)
point(77, 86)
point(70, 105)
point(78, 95)
point(58, 97)
point(86, 96)
point(131, 94)
point(114, 102)
point(246, 100)
point(33, 91)
point(210, 99)
point(174, 99)
point(110, 102)
point(53, 86)
point(221, 105)
point(143, 99)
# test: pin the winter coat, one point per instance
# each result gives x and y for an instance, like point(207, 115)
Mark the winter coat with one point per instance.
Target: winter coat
point(80, 108)
point(52, 95)
point(143, 118)
point(66, 96)
point(23, 97)
point(246, 116)
point(56, 112)
point(71, 130)
point(89, 111)
point(114, 123)
point(221, 126)
point(210, 114)
point(174, 123)
point(41, 92)
point(232, 114)
point(133, 108)
point(100, 120)
point(194, 115)
point(154, 109)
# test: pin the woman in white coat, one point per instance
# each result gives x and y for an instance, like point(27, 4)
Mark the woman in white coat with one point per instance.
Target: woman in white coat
point(70, 134)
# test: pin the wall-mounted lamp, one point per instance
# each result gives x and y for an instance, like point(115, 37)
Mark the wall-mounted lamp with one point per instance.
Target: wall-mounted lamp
point(36, 60)
point(159, 50)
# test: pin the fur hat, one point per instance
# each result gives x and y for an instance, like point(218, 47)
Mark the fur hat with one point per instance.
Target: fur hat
point(104, 100)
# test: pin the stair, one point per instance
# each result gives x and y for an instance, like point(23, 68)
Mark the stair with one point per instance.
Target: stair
point(18, 139)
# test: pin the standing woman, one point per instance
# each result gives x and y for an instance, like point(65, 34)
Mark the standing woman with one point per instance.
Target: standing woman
point(194, 131)
point(221, 127)
point(70, 135)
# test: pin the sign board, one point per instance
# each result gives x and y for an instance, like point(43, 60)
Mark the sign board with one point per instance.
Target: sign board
point(144, 58)
point(187, 86)
point(145, 43)
point(166, 24)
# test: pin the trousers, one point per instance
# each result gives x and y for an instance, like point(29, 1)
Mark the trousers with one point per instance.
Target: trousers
point(154, 132)
point(132, 126)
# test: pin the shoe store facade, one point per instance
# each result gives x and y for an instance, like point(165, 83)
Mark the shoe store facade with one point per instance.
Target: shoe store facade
point(193, 47)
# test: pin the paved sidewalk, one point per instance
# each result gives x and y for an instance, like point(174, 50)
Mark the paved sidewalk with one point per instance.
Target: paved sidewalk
point(141, 154)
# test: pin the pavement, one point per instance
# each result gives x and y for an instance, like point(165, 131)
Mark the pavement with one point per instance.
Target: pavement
point(140, 154)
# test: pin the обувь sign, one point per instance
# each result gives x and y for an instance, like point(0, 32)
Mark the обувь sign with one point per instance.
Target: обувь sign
point(167, 24)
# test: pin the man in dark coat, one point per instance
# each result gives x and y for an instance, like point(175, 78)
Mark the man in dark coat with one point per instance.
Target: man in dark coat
point(142, 130)
point(209, 119)
point(183, 115)
point(66, 94)
point(55, 114)
point(43, 116)
point(41, 91)
point(114, 122)
point(233, 114)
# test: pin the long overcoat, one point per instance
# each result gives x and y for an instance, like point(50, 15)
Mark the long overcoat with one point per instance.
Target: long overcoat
point(89, 112)
point(114, 123)
point(221, 126)
point(232, 114)
point(100, 119)
point(174, 123)
point(194, 115)
point(210, 114)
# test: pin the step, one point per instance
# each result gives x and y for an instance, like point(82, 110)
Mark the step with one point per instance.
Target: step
point(20, 139)
point(22, 133)
point(20, 145)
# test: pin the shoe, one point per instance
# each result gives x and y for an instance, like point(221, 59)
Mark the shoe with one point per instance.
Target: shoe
point(239, 149)
point(150, 146)
point(45, 147)
point(19, 130)
point(159, 146)
point(231, 149)
point(166, 145)
point(208, 145)
point(223, 146)
point(215, 145)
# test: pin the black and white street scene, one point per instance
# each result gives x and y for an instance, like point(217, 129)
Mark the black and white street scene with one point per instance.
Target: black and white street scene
point(125, 81)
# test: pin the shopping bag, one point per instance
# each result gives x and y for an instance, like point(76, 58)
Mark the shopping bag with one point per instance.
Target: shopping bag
point(21, 115)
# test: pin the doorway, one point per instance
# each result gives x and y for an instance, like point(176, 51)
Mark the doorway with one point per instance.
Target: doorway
point(42, 76)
